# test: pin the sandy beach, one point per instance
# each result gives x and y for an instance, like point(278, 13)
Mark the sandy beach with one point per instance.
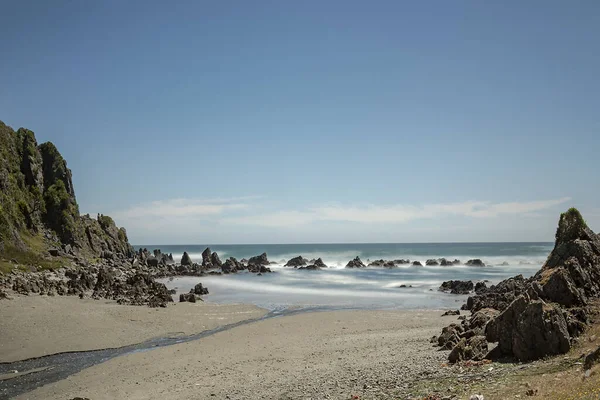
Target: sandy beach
point(35, 326)
point(317, 355)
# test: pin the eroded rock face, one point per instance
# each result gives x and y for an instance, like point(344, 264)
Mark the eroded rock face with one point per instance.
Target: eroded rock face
point(541, 331)
point(474, 348)
point(536, 317)
point(355, 263)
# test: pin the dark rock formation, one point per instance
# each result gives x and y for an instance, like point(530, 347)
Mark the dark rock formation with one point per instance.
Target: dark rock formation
point(317, 264)
point(215, 260)
point(432, 262)
point(475, 263)
point(474, 348)
point(536, 317)
point(417, 264)
point(187, 297)
point(185, 259)
point(259, 260)
point(457, 287)
point(451, 312)
point(296, 262)
point(199, 290)
point(206, 257)
point(356, 263)
point(480, 287)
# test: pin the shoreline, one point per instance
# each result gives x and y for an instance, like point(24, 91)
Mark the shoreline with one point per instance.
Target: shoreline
point(328, 341)
point(37, 326)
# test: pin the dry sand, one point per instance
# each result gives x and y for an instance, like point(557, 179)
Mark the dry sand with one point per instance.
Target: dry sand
point(335, 355)
point(33, 326)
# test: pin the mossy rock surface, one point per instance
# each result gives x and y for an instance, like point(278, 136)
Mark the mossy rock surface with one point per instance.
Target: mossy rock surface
point(37, 195)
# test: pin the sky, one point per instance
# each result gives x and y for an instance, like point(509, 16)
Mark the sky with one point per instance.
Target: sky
point(314, 121)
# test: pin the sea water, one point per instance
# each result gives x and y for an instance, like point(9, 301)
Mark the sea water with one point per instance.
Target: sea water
point(406, 286)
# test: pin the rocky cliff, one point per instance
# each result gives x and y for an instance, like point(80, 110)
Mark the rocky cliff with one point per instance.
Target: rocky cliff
point(539, 316)
point(39, 215)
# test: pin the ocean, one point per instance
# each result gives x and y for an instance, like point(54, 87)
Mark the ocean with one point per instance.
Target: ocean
point(405, 287)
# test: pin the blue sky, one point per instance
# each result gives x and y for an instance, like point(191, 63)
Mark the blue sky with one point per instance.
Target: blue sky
point(335, 121)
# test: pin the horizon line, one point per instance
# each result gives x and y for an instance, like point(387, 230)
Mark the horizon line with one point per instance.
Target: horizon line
point(334, 243)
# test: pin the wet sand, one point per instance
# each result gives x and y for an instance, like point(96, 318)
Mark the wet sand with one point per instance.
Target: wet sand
point(317, 355)
point(34, 326)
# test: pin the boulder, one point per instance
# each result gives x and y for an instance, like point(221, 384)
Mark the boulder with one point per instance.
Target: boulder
point(152, 262)
point(450, 336)
point(475, 263)
point(474, 348)
point(451, 312)
point(231, 265)
point(457, 287)
point(206, 256)
point(215, 260)
point(199, 290)
point(432, 262)
point(480, 287)
point(355, 263)
point(259, 260)
point(296, 262)
point(417, 264)
point(529, 330)
point(187, 297)
point(317, 264)
point(541, 331)
point(186, 259)
point(501, 328)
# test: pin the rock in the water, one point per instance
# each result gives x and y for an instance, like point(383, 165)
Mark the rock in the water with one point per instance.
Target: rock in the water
point(356, 263)
point(215, 260)
point(296, 262)
point(417, 264)
point(475, 263)
point(432, 262)
point(206, 255)
point(187, 297)
point(317, 264)
point(457, 287)
point(259, 260)
point(186, 259)
point(199, 290)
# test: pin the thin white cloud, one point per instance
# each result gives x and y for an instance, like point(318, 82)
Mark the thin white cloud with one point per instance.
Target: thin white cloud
point(188, 208)
point(394, 214)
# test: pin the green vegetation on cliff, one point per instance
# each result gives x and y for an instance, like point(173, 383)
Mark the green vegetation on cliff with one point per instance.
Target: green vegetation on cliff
point(37, 197)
